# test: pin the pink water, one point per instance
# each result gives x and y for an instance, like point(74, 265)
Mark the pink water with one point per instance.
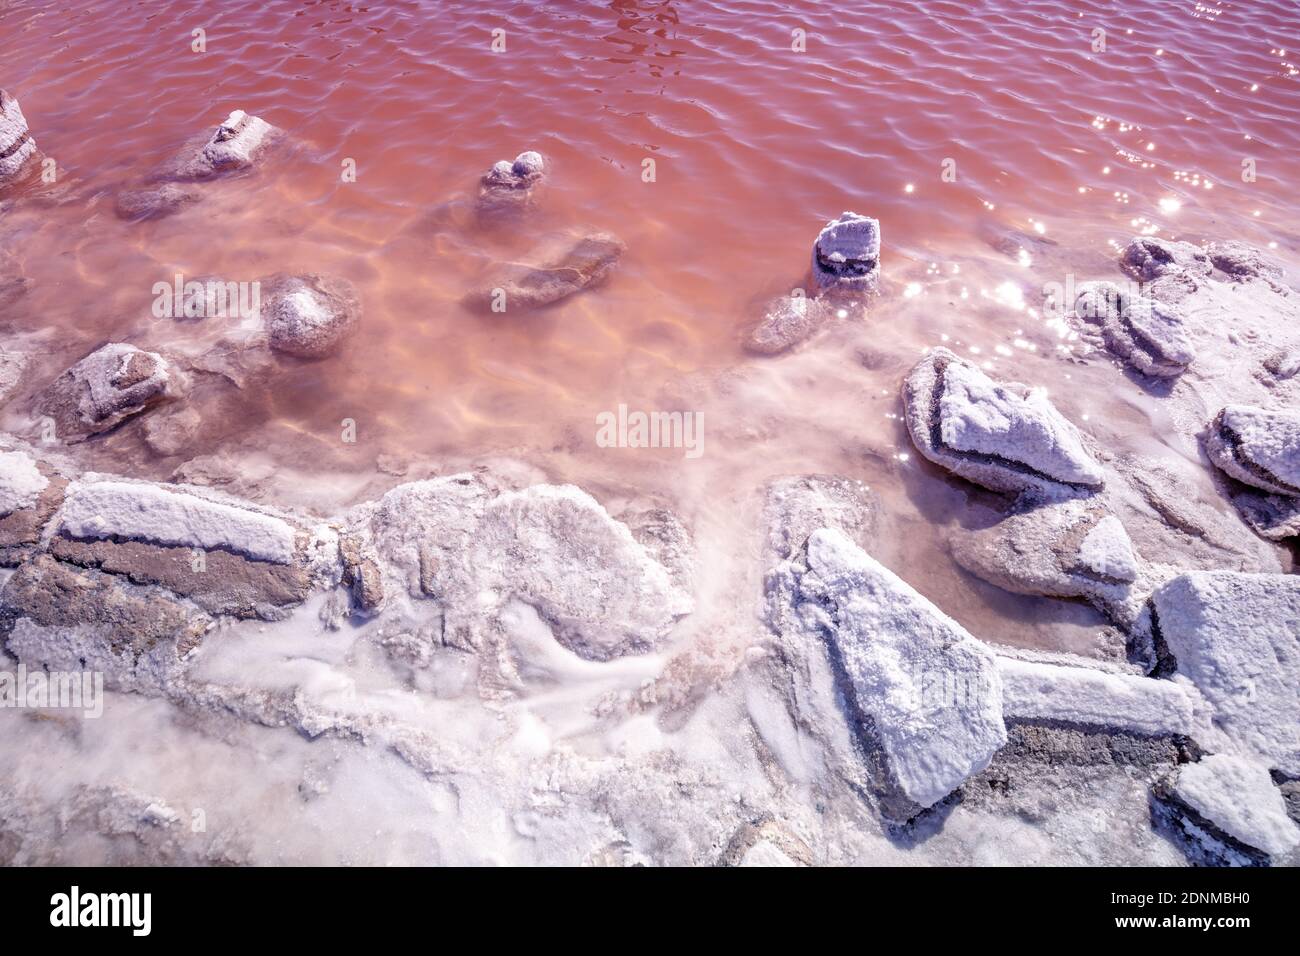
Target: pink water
point(1058, 149)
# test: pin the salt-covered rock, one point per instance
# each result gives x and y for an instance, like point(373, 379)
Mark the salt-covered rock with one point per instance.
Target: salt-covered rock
point(1257, 447)
point(147, 512)
point(1101, 302)
point(520, 288)
point(930, 690)
point(1242, 261)
point(104, 389)
point(12, 367)
point(1151, 336)
point(1236, 639)
point(16, 143)
point(1149, 257)
point(1004, 437)
point(1229, 811)
point(1089, 697)
point(309, 316)
point(1107, 551)
point(21, 482)
point(846, 254)
point(235, 144)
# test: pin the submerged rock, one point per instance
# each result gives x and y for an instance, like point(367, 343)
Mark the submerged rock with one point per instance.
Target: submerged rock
point(1151, 336)
point(1004, 437)
point(309, 316)
point(1228, 810)
point(846, 254)
point(1257, 447)
point(61, 618)
point(1236, 639)
point(930, 692)
point(16, 143)
point(235, 144)
point(787, 321)
point(520, 288)
point(1148, 258)
point(107, 387)
point(155, 202)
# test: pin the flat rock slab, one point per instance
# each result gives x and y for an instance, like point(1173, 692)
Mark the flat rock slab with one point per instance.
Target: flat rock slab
point(110, 385)
point(1151, 336)
point(1086, 697)
point(846, 254)
point(1004, 437)
point(932, 692)
point(1236, 639)
point(309, 316)
point(1229, 811)
point(21, 527)
point(96, 509)
point(522, 288)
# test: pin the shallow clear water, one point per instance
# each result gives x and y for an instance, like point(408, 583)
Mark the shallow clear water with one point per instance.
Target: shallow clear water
point(1061, 154)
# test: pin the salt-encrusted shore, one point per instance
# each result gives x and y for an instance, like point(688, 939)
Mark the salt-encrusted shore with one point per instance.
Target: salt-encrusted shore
point(524, 660)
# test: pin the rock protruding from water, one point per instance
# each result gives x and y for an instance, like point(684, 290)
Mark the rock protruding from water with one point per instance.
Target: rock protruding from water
point(1148, 258)
point(110, 385)
point(1101, 302)
point(846, 254)
point(1228, 811)
point(507, 188)
point(1236, 638)
point(1151, 336)
point(16, 143)
point(518, 288)
point(309, 316)
point(930, 691)
point(1004, 437)
point(235, 144)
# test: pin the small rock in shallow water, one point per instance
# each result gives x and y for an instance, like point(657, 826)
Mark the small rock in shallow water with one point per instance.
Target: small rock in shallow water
point(521, 288)
point(104, 389)
point(1257, 447)
point(16, 143)
point(1150, 336)
point(846, 254)
point(1004, 437)
point(1101, 302)
point(236, 144)
point(1107, 552)
point(787, 321)
point(507, 188)
point(309, 316)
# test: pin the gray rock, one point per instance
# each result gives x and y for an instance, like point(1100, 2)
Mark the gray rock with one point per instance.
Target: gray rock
point(1101, 302)
point(1283, 364)
point(1148, 258)
point(506, 190)
point(1243, 262)
point(16, 143)
point(110, 385)
point(309, 316)
point(1257, 447)
point(1004, 437)
point(846, 254)
point(521, 288)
